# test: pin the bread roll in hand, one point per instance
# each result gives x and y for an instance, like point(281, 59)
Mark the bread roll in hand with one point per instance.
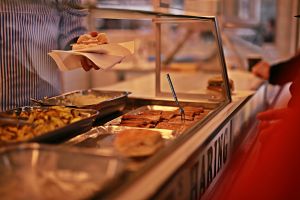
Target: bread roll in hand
point(90, 40)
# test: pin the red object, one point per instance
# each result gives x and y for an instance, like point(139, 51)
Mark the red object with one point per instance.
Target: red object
point(94, 34)
point(270, 169)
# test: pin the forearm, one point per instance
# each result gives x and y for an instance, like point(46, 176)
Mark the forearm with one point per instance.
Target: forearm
point(71, 23)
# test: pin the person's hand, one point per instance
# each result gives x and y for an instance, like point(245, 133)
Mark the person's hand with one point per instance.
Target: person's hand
point(273, 114)
point(87, 64)
point(270, 117)
point(271, 122)
point(262, 70)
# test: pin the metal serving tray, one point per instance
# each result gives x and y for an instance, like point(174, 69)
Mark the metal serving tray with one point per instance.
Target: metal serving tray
point(207, 110)
point(33, 171)
point(62, 133)
point(116, 101)
point(102, 137)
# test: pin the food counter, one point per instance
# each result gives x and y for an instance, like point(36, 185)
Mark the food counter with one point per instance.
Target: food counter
point(181, 175)
point(181, 161)
point(178, 175)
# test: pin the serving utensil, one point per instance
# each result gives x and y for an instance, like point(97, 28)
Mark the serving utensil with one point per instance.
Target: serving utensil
point(39, 102)
point(44, 103)
point(182, 114)
point(8, 120)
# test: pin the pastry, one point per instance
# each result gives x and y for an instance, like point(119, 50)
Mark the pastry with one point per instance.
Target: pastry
point(196, 110)
point(148, 118)
point(170, 126)
point(90, 40)
point(138, 142)
point(167, 115)
point(177, 119)
point(216, 83)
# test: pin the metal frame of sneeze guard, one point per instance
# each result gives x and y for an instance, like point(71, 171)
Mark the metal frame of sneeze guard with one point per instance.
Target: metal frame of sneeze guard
point(159, 18)
point(158, 21)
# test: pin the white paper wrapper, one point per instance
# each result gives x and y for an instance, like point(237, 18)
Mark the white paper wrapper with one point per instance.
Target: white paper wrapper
point(104, 56)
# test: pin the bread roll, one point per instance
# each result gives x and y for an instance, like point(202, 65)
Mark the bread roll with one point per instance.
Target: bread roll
point(216, 83)
point(90, 40)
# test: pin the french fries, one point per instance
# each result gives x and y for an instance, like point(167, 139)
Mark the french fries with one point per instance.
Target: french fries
point(43, 120)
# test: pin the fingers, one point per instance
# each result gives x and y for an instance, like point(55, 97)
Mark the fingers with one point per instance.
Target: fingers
point(269, 130)
point(270, 115)
point(94, 66)
point(266, 133)
point(262, 69)
point(87, 64)
point(84, 64)
point(263, 125)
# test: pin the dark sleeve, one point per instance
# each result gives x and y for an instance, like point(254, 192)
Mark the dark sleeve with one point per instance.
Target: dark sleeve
point(73, 41)
point(71, 23)
point(285, 72)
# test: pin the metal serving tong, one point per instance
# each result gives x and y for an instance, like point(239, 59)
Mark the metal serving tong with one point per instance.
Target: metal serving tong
point(182, 114)
point(44, 103)
point(8, 120)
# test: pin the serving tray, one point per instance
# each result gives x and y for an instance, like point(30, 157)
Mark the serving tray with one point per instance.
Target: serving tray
point(54, 135)
point(38, 171)
point(109, 101)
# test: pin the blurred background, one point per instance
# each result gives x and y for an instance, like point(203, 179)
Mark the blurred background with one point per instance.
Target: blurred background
point(251, 30)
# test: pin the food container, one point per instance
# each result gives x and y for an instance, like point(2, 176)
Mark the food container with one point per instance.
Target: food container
point(34, 171)
point(173, 122)
point(46, 128)
point(106, 102)
point(102, 137)
point(189, 49)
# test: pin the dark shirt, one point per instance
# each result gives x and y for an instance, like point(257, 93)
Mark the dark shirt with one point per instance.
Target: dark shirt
point(285, 72)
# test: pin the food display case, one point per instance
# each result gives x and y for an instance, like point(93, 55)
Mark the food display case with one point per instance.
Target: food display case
point(174, 136)
point(189, 50)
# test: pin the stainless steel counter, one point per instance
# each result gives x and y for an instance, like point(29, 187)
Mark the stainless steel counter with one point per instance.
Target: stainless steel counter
point(193, 168)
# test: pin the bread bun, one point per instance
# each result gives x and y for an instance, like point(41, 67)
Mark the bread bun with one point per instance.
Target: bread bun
point(138, 142)
point(90, 40)
point(215, 83)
